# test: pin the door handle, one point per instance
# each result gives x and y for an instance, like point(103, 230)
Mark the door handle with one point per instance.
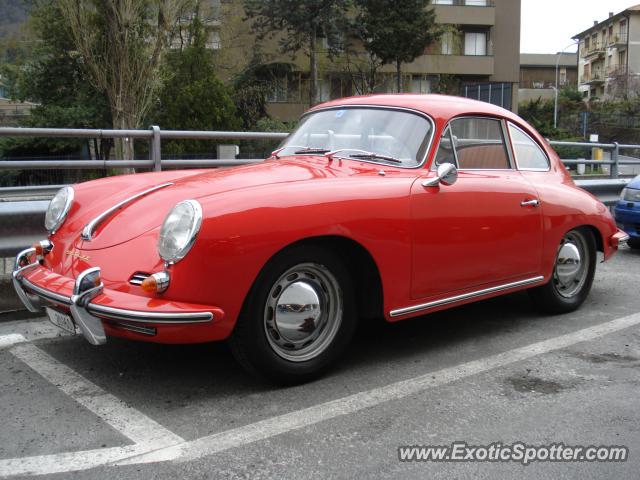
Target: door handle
point(530, 203)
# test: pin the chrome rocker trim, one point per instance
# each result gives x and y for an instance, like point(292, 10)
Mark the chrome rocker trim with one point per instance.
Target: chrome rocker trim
point(88, 315)
point(465, 296)
point(87, 231)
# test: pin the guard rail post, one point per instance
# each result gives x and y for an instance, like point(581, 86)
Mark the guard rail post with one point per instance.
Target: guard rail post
point(615, 158)
point(156, 149)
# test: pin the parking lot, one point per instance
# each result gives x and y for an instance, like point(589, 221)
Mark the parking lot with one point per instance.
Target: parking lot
point(494, 371)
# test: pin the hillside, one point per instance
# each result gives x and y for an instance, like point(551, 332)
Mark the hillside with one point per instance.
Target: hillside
point(12, 14)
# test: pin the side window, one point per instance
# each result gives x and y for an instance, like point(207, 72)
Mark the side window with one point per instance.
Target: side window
point(445, 150)
point(479, 144)
point(528, 153)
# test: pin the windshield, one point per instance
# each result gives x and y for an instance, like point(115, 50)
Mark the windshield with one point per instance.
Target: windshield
point(385, 136)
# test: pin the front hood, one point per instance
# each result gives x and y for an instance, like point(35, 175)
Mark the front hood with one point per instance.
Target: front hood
point(148, 212)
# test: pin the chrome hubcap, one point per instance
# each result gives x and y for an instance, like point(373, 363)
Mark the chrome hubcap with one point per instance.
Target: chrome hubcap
point(572, 260)
point(303, 312)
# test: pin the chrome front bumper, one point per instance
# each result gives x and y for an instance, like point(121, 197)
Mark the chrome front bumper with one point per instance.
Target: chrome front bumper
point(87, 315)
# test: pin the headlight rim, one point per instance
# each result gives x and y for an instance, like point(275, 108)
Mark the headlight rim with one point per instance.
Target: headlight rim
point(65, 210)
point(194, 230)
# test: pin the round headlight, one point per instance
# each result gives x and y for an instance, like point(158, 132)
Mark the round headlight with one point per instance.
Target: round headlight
point(179, 230)
point(58, 209)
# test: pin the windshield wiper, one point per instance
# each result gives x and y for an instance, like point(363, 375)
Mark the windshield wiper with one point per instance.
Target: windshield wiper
point(301, 149)
point(311, 150)
point(376, 155)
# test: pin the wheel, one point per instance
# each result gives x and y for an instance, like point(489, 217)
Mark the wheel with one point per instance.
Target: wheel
point(573, 273)
point(634, 242)
point(298, 317)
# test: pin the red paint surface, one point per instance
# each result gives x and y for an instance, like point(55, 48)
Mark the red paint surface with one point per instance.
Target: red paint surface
point(427, 243)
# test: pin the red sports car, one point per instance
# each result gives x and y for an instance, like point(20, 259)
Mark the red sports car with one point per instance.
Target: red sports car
point(378, 206)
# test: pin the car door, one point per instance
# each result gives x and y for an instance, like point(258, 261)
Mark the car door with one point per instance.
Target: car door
point(486, 228)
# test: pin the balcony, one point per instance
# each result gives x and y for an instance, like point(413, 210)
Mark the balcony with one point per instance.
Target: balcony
point(479, 65)
point(465, 12)
point(618, 40)
point(465, 3)
point(594, 51)
point(594, 78)
point(616, 71)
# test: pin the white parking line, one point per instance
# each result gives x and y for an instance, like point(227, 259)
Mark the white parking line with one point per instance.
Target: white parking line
point(125, 419)
point(353, 403)
point(68, 461)
point(30, 330)
point(11, 339)
point(237, 437)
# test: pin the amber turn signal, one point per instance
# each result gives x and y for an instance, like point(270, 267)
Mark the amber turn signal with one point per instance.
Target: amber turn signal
point(156, 283)
point(149, 284)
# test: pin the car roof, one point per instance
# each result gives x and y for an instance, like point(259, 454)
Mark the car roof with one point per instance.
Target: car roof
point(437, 106)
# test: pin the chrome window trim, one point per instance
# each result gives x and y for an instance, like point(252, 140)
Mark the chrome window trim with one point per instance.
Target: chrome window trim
point(465, 296)
point(511, 168)
point(385, 107)
point(515, 156)
point(87, 231)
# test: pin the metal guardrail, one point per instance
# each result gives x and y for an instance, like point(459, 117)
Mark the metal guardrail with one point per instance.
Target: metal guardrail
point(154, 135)
point(22, 220)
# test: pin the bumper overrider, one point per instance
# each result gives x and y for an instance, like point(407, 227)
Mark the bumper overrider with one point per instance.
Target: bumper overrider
point(90, 304)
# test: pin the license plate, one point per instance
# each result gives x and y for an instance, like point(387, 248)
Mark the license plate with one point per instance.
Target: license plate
point(61, 320)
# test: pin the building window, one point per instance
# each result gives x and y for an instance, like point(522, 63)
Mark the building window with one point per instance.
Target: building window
point(213, 40)
point(336, 43)
point(563, 76)
point(284, 88)
point(623, 29)
point(446, 42)
point(443, 2)
point(622, 58)
point(420, 84)
point(476, 3)
point(587, 43)
point(475, 43)
point(278, 90)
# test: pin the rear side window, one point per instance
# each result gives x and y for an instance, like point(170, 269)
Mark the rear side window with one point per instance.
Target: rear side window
point(479, 144)
point(528, 153)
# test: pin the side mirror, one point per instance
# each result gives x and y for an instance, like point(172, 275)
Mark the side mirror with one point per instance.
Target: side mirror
point(447, 174)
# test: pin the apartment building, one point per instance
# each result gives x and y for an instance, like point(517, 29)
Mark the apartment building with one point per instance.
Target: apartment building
point(482, 50)
point(609, 56)
point(477, 57)
point(540, 73)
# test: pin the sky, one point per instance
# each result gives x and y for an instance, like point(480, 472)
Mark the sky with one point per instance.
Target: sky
point(548, 25)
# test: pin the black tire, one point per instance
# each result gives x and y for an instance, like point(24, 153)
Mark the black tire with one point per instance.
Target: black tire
point(634, 243)
point(554, 297)
point(258, 344)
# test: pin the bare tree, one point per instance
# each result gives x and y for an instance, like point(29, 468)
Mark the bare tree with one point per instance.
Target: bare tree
point(623, 84)
point(121, 43)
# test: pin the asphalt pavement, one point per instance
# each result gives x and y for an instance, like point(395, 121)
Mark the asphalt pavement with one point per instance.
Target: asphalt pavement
point(491, 372)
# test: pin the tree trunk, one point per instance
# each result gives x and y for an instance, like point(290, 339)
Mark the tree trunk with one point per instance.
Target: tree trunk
point(313, 69)
point(399, 76)
point(123, 146)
